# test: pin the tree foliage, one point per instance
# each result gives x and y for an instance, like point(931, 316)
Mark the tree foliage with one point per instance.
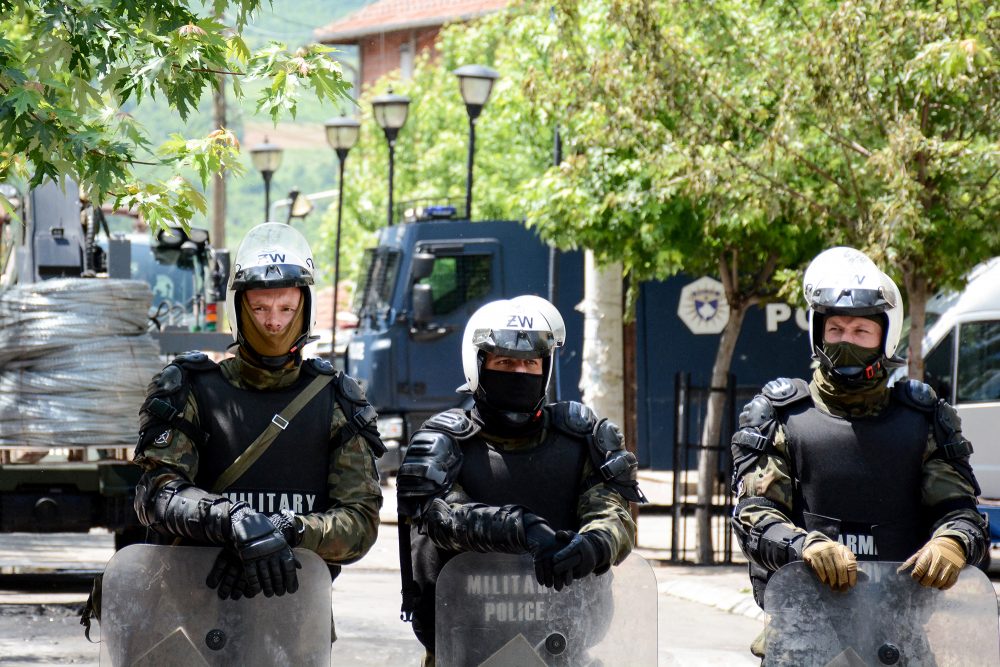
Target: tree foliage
point(737, 137)
point(68, 68)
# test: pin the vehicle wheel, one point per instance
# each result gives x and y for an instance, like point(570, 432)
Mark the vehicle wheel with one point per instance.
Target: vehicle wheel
point(127, 536)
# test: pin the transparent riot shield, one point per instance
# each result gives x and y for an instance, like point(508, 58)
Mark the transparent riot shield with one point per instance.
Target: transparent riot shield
point(490, 612)
point(157, 611)
point(886, 619)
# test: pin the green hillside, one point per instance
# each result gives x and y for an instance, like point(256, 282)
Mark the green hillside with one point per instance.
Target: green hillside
point(310, 169)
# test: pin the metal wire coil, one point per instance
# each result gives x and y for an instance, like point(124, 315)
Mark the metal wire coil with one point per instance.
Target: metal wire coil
point(75, 361)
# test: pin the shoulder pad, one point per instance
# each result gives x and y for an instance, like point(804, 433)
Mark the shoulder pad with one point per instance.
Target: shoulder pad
point(757, 429)
point(572, 417)
point(916, 394)
point(168, 381)
point(195, 360)
point(321, 366)
point(758, 412)
point(351, 389)
point(785, 391)
point(432, 462)
point(453, 422)
point(608, 437)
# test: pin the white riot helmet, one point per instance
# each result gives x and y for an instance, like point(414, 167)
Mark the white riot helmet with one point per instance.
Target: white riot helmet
point(272, 255)
point(525, 327)
point(844, 281)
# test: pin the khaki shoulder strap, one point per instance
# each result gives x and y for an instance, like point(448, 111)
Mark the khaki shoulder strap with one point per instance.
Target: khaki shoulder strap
point(278, 424)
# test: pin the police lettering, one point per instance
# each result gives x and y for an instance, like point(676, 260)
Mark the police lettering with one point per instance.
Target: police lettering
point(861, 545)
point(299, 503)
point(502, 612)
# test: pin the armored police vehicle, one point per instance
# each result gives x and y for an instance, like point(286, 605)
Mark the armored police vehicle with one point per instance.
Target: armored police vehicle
point(426, 276)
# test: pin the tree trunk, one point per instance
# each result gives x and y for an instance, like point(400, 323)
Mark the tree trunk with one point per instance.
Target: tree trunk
point(708, 457)
point(602, 372)
point(916, 289)
point(219, 180)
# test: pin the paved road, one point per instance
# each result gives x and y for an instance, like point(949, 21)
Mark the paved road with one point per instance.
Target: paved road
point(41, 627)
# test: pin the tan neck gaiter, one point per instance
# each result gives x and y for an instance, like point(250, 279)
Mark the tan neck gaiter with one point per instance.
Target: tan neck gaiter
point(267, 344)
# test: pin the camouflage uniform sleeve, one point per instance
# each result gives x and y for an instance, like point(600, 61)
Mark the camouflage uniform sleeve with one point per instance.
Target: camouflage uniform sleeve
point(347, 530)
point(765, 491)
point(602, 509)
point(171, 449)
point(950, 501)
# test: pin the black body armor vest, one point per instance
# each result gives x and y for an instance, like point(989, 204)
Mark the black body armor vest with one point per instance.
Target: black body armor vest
point(859, 481)
point(545, 479)
point(292, 473)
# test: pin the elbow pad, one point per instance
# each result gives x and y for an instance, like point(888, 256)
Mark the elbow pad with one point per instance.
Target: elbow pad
point(181, 509)
point(433, 461)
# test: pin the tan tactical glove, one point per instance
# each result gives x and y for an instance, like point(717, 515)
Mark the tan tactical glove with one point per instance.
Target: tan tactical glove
point(938, 563)
point(833, 563)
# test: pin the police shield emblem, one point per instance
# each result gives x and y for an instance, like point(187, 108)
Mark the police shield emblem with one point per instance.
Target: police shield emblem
point(157, 611)
point(886, 619)
point(492, 613)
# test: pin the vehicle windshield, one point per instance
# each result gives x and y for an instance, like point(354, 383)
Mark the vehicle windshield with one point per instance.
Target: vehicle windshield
point(170, 274)
point(374, 295)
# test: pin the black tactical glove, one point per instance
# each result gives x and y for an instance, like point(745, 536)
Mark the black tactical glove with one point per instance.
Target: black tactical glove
point(227, 574)
point(268, 563)
point(543, 543)
point(583, 554)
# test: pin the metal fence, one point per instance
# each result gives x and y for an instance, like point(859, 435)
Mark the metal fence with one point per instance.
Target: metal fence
point(690, 408)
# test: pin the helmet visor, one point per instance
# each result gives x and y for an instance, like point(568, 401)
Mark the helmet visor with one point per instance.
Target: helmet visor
point(516, 343)
point(272, 276)
point(839, 301)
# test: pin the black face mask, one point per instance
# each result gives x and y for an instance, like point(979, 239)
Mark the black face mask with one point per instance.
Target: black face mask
point(511, 392)
point(854, 364)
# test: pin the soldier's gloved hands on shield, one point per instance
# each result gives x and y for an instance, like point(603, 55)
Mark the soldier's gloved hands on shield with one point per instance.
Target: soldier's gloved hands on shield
point(269, 566)
point(227, 573)
point(834, 564)
point(937, 563)
point(543, 543)
point(227, 576)
point(583, 554)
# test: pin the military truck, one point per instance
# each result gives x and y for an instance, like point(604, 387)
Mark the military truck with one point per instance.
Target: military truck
point(427, 275)
point(52, 237)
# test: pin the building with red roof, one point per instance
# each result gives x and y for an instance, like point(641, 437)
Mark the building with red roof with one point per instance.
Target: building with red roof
point(390, 33)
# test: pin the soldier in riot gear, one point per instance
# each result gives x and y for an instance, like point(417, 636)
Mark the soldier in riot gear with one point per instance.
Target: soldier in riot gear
point(513, 474)
point(227, 462)
point(845, 467)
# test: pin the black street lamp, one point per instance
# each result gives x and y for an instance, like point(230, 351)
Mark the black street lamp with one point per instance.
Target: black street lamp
point(266, 159)
point(476, 83)
point(390, 113)
point(341, 133)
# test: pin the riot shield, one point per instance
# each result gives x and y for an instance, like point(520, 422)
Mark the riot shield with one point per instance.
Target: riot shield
point(886, 619)
point(490, 612)
point(157, 611)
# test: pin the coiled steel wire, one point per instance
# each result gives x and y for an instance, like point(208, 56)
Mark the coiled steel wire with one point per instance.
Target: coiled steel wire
point(75, 361)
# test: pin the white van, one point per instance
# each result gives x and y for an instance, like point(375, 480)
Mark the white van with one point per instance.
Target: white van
point(962, 362)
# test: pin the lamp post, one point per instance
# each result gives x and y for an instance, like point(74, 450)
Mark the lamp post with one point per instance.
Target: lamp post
point(390, 113)
point(266, 159)
point(341, 133)
point(475, 83)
